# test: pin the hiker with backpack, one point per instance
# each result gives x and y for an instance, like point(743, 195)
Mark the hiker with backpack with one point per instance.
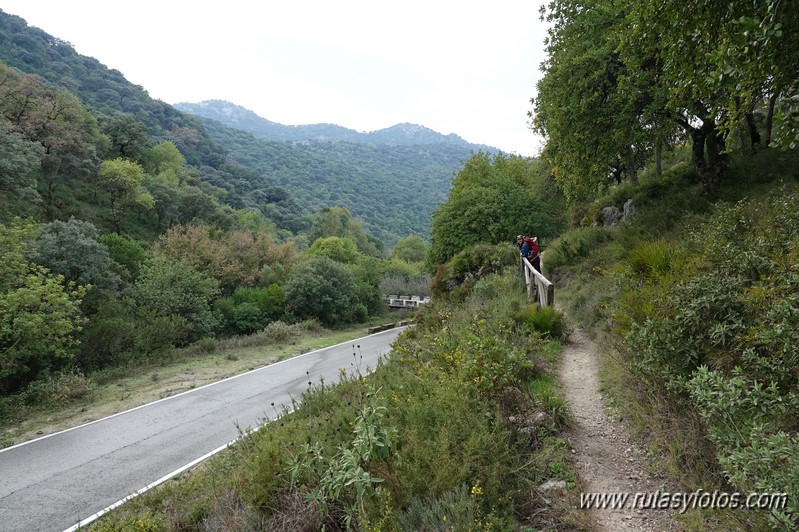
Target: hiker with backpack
point(529, 248)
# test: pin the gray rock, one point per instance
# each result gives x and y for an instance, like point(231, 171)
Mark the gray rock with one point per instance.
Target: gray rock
point(551, 485)
point(611, 216)
point(629, 209)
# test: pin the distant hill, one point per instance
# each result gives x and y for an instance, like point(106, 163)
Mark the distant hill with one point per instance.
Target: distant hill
point(404, 134)
point(394, 189)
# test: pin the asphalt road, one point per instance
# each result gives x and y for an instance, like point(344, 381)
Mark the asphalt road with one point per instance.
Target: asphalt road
point(54, 482)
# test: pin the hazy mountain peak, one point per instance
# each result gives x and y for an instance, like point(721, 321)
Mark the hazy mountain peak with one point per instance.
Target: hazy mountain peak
point(239, 117)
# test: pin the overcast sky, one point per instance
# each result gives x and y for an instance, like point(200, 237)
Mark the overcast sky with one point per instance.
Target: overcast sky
point(465, 67)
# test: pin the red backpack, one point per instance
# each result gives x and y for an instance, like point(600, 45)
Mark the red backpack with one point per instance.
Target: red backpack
point(534, 249)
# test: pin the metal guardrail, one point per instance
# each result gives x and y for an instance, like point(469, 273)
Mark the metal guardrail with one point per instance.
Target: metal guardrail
point(535, 281)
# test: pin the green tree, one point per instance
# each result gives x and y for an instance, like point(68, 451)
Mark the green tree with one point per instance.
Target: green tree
point(166, 164)
point(410, 249)
point(339, 249)
point(128, 136)
point(19, 163)
point(71, 249)
point(168, 287)
point(492, 200)
point(599, 116)
point(324, 289)
point(126, 252)
point(337, 221)
point(122, 180)
point(39, 313)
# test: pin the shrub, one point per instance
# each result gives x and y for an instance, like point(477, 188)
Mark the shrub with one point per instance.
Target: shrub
point(324, 289)
point(170, 288)
point(59, 389)
point(464, 269)
point(277, 331)
point(122, 331)
point(545, 321)
point(247, 318)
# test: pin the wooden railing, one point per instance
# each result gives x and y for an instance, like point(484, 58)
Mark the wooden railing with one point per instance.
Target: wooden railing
point(536, 282)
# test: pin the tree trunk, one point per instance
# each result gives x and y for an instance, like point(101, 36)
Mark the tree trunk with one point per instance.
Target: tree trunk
point(772, 102)
point(659, 158)
point(754, 136)
point(717, 160)
point(698, 150)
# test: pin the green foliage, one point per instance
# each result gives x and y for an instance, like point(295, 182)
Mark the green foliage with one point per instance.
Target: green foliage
point(247, 318)
point(338, 222)
point(250, 309)
point(347, 469)
point(126, 252)
point(463, 270)
point(324, 289)
point(176, 289)
point(19, 161)
point(71, 249)
point(166, 164)
point(122, 331)
point(39, 313)
point(492, 200)
point(545, 321)
point(724, 336)
point(621, 84)
point(411, 249)
point(56, 390)
point(339, 249)
point(122, 180)
point(573, 246)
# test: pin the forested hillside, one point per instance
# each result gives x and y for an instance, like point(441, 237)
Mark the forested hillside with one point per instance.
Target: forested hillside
point(131, 118)
point(393, 178)
point(393, 189)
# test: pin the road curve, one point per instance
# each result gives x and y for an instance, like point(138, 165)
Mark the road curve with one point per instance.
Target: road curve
point(52, 483)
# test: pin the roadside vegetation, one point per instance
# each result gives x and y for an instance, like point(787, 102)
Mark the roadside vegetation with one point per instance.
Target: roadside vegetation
point(456, 430)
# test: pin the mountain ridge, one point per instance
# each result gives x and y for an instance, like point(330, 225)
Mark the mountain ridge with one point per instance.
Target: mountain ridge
point(401, 134)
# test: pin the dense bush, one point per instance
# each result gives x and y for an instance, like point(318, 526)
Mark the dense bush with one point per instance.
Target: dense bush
point(463, 270)
point(324, 289)
point(720, 330)
point(39, 313)
point(170, 288)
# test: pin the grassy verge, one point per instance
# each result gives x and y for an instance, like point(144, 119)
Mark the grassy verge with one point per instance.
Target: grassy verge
point(458, 430)
point(73, 399)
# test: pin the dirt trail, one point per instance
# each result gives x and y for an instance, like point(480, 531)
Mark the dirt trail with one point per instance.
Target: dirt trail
point(607, 459)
